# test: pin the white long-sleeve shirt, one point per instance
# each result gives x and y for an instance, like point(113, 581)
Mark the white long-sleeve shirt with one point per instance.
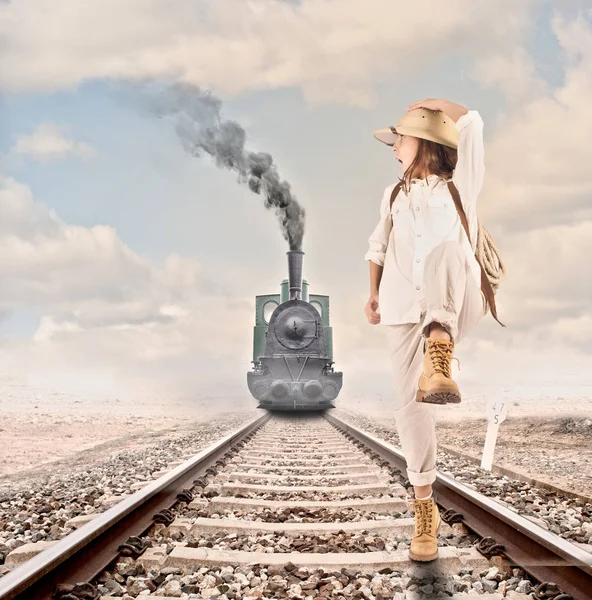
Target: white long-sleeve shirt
point(423, 219)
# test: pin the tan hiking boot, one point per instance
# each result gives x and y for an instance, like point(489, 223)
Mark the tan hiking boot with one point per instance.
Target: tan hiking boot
point(435, 383)
point(424, 545)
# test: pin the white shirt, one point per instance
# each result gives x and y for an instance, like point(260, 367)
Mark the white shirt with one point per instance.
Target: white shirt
point(422, 220)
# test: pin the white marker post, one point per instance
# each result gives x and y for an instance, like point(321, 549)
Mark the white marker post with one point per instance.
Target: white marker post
point(496, 413)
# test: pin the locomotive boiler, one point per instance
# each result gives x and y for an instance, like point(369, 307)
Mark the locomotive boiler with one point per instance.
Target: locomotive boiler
point(293, 347)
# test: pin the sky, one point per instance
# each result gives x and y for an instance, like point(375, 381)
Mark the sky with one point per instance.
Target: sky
point(126, 258)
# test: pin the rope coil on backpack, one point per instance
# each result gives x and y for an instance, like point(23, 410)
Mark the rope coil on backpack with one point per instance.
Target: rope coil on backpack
point(489, 256)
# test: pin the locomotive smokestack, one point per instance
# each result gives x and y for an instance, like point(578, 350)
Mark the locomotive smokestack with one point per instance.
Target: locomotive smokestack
point(295, 273)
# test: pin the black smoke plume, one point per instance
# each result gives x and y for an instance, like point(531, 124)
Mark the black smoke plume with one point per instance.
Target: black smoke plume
point(198, 123)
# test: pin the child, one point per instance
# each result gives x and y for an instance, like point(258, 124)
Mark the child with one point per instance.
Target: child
point(423, 269)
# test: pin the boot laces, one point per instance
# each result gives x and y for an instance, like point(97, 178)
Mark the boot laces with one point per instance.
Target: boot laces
point(441, 357)
point(423, 515)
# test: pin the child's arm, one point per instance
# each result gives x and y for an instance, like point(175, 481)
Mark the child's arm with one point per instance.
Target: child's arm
point(470, 167)
point(378, 240)
point(469, 172)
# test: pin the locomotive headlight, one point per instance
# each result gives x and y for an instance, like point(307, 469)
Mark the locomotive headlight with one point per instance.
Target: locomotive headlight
point(279, 388)
point(313, 388)
point(260, 390)
point(330, 391)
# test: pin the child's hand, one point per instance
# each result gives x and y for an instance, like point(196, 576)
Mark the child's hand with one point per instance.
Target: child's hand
point(454, 111)
point(370, 310)
point(429, 103)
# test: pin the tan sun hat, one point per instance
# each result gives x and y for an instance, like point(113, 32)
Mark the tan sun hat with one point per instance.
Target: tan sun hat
point(433, 125)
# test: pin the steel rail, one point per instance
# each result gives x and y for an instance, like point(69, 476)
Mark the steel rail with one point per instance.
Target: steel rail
point(84, 553)
point(542, 554)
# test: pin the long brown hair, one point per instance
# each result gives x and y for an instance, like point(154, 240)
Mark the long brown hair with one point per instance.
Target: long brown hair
point(431, 158)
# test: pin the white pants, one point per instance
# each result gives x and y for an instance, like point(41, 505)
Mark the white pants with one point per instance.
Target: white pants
point(454, 300)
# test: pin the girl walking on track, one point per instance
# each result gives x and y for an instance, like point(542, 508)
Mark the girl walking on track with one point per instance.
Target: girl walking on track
point(426, 280)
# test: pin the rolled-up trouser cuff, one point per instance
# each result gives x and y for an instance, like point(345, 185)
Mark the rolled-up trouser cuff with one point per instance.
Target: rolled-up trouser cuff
point(425, 478)
point(447, 319)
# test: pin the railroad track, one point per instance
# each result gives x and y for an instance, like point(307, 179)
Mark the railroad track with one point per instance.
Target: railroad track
point(297, 507)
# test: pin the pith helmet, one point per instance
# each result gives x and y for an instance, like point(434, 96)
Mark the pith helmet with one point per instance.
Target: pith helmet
point(433, 125)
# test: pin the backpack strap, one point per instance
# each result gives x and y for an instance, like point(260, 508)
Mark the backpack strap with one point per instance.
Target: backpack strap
point(485, 284)
point(393, 196)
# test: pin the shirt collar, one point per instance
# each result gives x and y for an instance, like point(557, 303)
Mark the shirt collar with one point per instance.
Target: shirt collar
point(432, 179)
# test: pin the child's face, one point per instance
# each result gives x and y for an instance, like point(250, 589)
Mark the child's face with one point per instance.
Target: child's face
point(405, 148)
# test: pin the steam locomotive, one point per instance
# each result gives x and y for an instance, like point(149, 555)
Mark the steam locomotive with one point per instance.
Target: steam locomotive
point(293, 347)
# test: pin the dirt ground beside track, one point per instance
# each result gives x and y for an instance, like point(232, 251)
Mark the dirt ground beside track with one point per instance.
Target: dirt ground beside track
point(550, 441)
point(556, 450)
point(548, 438)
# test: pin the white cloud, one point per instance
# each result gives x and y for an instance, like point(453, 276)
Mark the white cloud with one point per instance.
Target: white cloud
point(103, 305)
point(100, 303)
point(513, 72)
point(537, 192)
point(548, 280)
point(56, 265)
point(332, 50)
point(578, 331)
point(537, 203)
point(537, 159)
point(49, 142)
point(48, 328)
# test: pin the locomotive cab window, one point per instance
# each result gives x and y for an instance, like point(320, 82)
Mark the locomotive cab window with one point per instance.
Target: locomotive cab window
point(319, 307)
point(268, 309)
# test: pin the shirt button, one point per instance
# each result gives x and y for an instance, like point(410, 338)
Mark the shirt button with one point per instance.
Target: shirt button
point(422, 184)
point(418, 260)
point(419, 235)
point(397, 210)
point(445, 203)
point(416, 287)
point(417, 208)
